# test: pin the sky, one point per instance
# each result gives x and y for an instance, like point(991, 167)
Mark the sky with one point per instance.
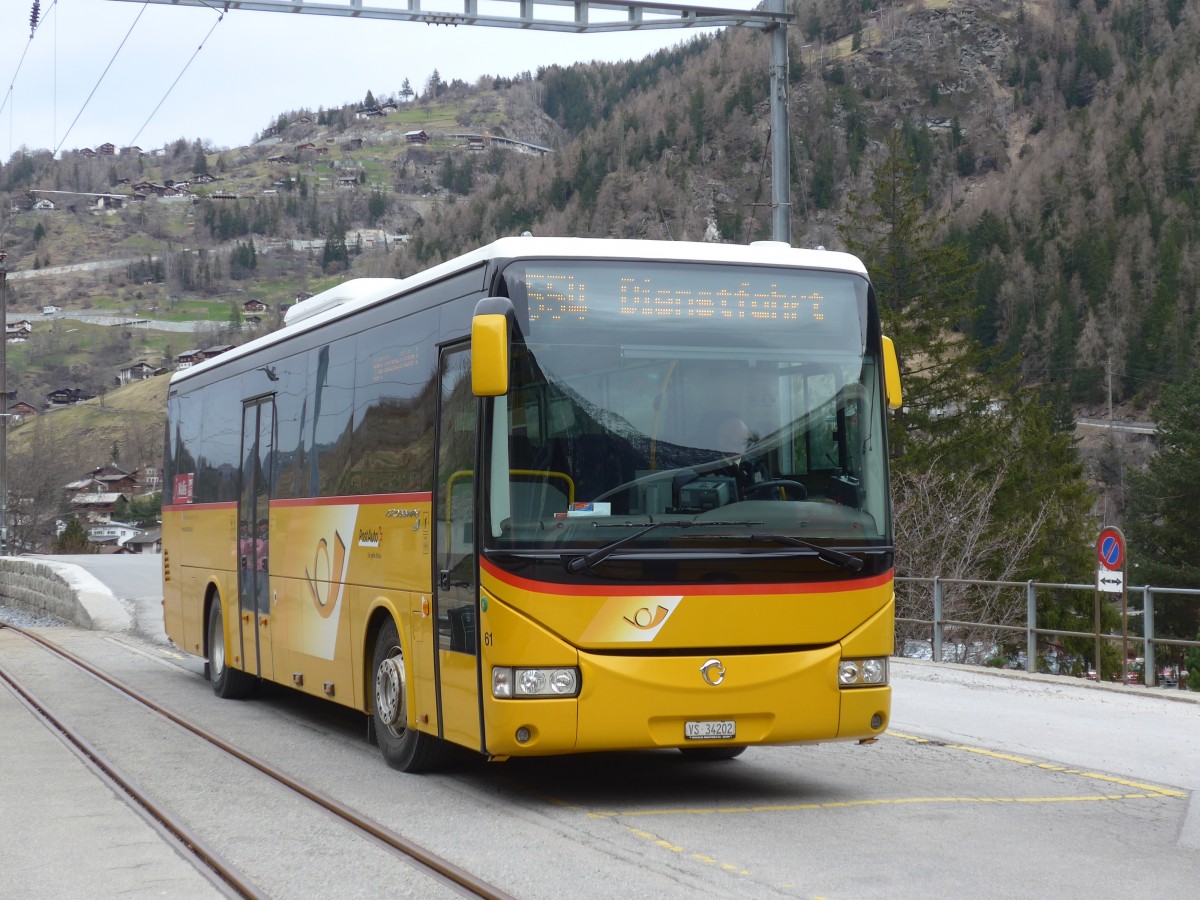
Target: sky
point(248, 66)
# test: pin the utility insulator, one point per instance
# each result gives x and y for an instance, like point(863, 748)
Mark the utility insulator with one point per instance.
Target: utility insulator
point(34, 15)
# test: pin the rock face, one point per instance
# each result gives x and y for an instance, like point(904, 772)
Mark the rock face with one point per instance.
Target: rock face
point(944, 65)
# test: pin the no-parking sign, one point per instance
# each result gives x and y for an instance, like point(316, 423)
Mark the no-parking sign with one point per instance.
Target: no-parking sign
point(1110, 549)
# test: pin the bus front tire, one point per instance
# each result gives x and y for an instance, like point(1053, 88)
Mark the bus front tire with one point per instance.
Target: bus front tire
point(227, 683)
point(710, 754)
point(403, 748)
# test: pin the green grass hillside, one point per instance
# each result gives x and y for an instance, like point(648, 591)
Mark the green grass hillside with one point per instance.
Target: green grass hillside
point(126, 423)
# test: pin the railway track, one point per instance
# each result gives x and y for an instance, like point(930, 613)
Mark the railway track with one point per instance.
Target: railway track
point(227, 874)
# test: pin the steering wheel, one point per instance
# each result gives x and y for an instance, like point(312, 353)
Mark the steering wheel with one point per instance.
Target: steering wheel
point(760, 486)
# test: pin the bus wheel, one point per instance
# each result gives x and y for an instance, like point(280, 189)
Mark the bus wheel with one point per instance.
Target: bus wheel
point(711, 754)
point(404, 748)
point(227, 683)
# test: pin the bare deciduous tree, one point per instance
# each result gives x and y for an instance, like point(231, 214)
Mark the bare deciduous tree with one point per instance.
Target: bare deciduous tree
point(37, 474)
point(947, 527)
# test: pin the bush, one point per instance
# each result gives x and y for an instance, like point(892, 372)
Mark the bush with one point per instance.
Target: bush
point(1192, 664)
point(74, 539)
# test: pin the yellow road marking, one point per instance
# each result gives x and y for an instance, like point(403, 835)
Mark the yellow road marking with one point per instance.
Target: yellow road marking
point(1142, 792)
point(1021, 760)
point(675, 848)
point(895, 801)
point(1138, 791)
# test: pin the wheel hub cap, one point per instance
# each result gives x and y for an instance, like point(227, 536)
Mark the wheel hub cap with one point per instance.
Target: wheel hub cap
point(389, 690)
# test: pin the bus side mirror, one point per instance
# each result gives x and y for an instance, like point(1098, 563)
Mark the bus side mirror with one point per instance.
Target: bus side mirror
point(891, 374)
point(490, 328)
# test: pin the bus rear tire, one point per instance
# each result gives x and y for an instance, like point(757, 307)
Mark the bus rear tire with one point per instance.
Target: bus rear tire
point(711, 754)
point(403, 748)
point(227, 683)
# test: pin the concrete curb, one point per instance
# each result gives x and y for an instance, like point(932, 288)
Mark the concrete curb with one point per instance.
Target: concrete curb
point(1062, 681)
point(64, 590)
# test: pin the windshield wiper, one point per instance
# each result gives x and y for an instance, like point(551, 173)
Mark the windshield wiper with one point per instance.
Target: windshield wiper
point(577, 564)
point(825, 554)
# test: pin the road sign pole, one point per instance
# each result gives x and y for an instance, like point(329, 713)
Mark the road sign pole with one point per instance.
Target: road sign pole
point(1110, 579)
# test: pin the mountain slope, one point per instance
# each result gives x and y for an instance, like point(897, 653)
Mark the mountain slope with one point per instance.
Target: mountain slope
point(1063, 138)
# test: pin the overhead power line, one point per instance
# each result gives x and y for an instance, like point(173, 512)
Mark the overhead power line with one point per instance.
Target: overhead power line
point(99, 80)
point(20, 62)
point(54, 152)
point(191, 59)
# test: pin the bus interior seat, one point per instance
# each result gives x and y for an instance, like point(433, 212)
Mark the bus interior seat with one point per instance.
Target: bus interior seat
point(599, 463)
point(534, 496)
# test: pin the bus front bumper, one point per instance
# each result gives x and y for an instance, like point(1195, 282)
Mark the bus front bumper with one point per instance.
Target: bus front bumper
point(641, 702)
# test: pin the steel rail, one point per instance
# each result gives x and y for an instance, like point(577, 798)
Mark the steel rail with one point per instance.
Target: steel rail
point(434, 865)
point(194, 846)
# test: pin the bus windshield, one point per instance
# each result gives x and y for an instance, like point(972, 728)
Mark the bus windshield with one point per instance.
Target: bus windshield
point(726, 406)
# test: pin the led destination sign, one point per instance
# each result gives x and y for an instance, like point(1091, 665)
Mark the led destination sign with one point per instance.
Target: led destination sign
point(578, 300)
point(566, 295)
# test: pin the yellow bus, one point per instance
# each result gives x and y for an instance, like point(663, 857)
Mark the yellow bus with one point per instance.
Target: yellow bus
point(556, 495)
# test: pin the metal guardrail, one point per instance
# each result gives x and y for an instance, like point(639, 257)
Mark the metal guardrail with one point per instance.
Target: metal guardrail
point(939, 625)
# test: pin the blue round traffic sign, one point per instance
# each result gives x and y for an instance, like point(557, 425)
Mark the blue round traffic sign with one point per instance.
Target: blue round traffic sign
point(1110, 549)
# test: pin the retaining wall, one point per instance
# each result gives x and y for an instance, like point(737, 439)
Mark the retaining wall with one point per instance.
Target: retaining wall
point(36, 587)
point(63, 590)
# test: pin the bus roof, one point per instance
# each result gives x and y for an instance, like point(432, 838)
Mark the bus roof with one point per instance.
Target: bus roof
point(360, 293)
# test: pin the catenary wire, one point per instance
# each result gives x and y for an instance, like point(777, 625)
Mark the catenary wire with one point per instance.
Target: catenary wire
point(95, 87)
point(116, 53)
point(191, 59)
point(12, 82)
point(99, 80)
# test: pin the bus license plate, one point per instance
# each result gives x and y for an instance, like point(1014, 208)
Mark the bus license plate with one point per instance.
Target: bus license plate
point(709, 731)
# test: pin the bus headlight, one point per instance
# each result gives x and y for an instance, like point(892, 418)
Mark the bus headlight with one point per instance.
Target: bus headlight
point(868, 672)
point(512, 683)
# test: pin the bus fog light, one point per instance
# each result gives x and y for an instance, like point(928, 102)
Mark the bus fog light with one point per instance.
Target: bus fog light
point(523, 735)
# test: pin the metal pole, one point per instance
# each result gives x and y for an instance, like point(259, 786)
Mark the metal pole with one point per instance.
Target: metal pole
point(1031, 625)
point(937, 619)
point(1148, 638)
point(1124, 632)
point(781, 161)
point(4, 548)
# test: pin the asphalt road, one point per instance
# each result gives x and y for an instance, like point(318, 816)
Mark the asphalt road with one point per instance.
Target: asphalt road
point(988, 784)
point(1146, 734)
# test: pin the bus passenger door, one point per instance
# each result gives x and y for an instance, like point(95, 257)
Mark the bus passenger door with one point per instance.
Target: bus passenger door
point(456, 588)
point(254, 603)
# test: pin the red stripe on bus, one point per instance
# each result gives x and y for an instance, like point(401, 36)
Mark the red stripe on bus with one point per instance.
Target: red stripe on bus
point(359, 499)
point(692, 590)
point(190, 507)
